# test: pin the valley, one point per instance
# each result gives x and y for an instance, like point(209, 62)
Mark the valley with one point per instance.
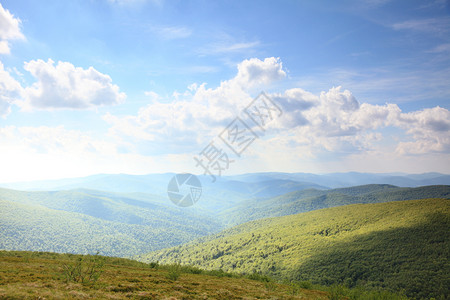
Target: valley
point(370, 238)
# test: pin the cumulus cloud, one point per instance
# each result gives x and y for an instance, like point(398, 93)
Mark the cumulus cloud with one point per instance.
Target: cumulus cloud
point(332, 126)
point(9, 30)
point(194, 116)
point(333, 121)
point(64, 86)
point(10, 91)
point(256, 73)
point(429, 129)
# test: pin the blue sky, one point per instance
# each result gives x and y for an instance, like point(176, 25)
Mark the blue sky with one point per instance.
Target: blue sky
point(137, 86)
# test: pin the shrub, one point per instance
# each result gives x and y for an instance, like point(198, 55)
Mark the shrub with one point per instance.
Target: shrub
point(86, 269)
point(154, 265)
point(173, 272)
point(259, 277)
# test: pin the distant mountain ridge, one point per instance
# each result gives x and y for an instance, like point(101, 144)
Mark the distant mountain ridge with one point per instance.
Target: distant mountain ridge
point(312, 199)
point(157, 183)
point(228, 191)
point(337, 180)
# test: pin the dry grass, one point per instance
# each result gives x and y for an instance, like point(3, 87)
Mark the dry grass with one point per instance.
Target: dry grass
point(27, 275)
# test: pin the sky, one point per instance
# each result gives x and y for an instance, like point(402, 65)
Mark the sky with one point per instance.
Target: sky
point(155, 86)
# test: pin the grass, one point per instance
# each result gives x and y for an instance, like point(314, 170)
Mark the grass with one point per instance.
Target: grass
point(43, 275)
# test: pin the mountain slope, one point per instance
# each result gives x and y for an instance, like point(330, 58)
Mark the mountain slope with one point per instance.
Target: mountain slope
point(84, 221)
point(395, 245)
point(312, 199)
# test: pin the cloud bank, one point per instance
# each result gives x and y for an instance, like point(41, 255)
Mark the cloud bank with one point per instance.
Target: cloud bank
point(333, 121)
point(328, 131)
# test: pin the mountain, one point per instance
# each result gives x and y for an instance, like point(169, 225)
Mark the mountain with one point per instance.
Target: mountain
point(338, 180)
point(124, 224)
point(229, 191)
point(120, 183)
point(157, 183)
point(312, 199)
point(402, 245)
point(86, 221)
point(216, 196)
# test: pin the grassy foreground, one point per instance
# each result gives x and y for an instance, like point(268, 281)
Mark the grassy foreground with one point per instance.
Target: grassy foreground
point(40, 275)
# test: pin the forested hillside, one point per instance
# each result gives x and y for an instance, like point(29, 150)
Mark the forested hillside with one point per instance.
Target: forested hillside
point(313, 199)
point(400, 245)
point(85, 221)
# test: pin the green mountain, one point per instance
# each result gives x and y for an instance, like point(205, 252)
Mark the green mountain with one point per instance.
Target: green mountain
point(402, 245)
point(120, 224)
point(313, 199)
point(85, 221)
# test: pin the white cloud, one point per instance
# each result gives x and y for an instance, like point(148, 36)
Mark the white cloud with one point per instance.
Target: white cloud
point(173, 32)
point(257, 73)
point(323, 132)
point(65, 86)
point(153, 96)
point(331, 122)
point(441, 48)
point(229, 47)
point(438, 26)
point(335, 122)
point(223, 43)
point(196, 115)
point(10, 91)
point(9, 30)
point(429, 129)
